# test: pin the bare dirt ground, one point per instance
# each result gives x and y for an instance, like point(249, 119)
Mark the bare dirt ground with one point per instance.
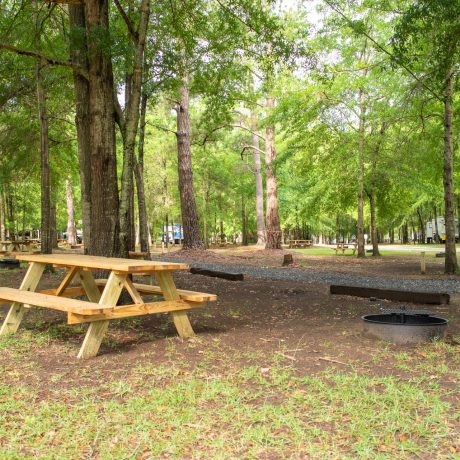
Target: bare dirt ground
point(304, 323)
point(405, 264)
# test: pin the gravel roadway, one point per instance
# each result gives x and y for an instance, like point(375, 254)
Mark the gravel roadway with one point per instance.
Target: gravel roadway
point(311, 276)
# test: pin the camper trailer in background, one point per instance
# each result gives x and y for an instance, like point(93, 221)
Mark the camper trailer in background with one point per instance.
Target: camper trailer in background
point(430, 233)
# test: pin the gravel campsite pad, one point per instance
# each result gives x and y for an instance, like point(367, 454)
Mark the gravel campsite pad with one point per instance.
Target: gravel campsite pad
point(278, 368)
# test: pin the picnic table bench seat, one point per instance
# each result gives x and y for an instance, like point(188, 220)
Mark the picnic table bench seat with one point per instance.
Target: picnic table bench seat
point(189, 296)
point(66, 304)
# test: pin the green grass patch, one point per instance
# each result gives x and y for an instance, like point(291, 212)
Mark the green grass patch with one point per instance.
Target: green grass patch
point(250, 413)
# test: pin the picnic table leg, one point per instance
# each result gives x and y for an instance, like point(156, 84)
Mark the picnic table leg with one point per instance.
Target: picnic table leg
point(180, 318)
point(15, 314)
point(110, 296)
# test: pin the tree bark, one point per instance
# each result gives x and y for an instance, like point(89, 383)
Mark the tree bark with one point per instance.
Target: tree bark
point(53, 226)
point(436, 229)
point(361, 147)
point(71, 229)
point(374, 159)
point(260, 218)
point(139, 175)
point(273, 227)
point(192, 238)
point(45, 186)
point(244, 234)
point(79, 57)
point(104, 217)
point(2, 217)
point(449, 213)
point(374, 235)
point(130, 127)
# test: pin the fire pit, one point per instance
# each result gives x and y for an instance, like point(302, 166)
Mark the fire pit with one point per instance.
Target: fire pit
point(405, 326)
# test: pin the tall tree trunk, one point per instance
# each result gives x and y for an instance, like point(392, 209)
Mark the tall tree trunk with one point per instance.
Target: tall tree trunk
point(131, 123)
point(139, 175)
point(2, 217)
point(361, 147)
point(260, 218)
point(45, 186)
point(192, 238)
point(53, 226)
point(165, 198)
point(373, 184)
point(449, 213)
point(436, 229)
point(422, 237)
point(71, 230)
point(273, 227)
point(244, 233)
point(104, 220)
point(79, 57)
point(374, 233)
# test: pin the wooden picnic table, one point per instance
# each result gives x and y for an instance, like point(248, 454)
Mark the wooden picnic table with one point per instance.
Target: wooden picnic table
point(15, 245)
point(299, 243)
point(344, 246)
point(102, 295)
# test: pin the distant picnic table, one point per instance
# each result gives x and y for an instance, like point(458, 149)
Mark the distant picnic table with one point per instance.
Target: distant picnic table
point(299, 243)
point(345, 246)
point(15, 245)
point(103, 294)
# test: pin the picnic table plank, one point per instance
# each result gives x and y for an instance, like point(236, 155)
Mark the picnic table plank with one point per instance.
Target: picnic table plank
point(103, 263)
point(190, 296)
point(51, 301)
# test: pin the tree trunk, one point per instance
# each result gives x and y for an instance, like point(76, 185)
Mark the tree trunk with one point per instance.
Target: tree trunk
point(139, 174)
point(436, 236)
point(244, 233)
point(45, 186)
point(79, 57)
point(192, 238)
point(374, 159)
point(131, 122)
point(260, 218)
point(374, 235)
point(2, 217)
point(104, 217)
point(422, 238)
point(53, 226)
point(361, 147)
point(71, 230)
point(449, 213)
point(273, 228)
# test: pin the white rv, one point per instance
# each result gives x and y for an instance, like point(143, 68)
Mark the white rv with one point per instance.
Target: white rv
point(430, 232)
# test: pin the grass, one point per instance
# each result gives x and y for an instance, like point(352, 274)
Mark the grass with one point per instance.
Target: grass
point(233, 411)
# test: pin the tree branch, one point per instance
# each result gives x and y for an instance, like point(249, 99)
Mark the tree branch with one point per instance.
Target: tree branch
point(162, 128)
point(384, 50)
point(249, 130)
point(35, 54)
point(47, 59)
point(128, 22)
point(251, 147)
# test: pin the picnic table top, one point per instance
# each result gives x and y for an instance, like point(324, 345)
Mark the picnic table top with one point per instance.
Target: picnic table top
point(103, 263)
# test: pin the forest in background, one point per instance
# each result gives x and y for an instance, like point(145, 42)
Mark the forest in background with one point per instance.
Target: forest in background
point(332, 118)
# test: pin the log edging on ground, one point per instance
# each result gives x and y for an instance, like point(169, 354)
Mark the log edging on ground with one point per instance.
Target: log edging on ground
point(436, 298)
point(217, 274)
